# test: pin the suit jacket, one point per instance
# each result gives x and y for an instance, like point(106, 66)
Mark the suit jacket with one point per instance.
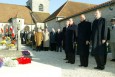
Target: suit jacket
point(71, 36)
point(84, 34)
point(84, 31)
point(99, 33)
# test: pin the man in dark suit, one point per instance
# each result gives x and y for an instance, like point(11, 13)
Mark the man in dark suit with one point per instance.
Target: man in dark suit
point(71, 34)
point(84, 33)
point(59, 40)
point(64, 38)
point(99, 36)
point(52, 40)
point(33, 39)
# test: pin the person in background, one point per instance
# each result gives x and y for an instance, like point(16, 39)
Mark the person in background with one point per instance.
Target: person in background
point(99, 38)
point(42, 47)
point(33, 39)
point(46, 39)
point(64, 39)
point(59, 40)
point(111, 38)
point(21, 36)
point(29, 38)
point(71, 35)
point(25, 36)
point(38, 39)
point(52, 40)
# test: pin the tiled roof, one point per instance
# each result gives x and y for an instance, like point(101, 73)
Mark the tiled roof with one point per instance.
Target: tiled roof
point(39, 16)
point(8, 11)
point(108, 3)
point(69, 8)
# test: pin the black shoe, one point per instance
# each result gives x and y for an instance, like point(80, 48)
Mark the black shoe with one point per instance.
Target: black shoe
point(67, 62)
point(96, 67)
point(72, 63)
point(113, 60)
point(99, 68)
point(85, 66)
point(80, 65)
point(65, 59)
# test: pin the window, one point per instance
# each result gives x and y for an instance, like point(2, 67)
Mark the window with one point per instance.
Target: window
point(41, 7)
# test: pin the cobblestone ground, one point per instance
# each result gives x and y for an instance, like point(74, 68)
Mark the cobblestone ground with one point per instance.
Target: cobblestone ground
point(51, 64)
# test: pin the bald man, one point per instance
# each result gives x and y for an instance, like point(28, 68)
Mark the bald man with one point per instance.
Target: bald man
point(84, 33)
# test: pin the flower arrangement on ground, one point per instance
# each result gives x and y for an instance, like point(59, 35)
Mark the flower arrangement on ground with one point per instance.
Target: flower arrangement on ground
point(8, 61)
point(1, 62)
point(3, 42)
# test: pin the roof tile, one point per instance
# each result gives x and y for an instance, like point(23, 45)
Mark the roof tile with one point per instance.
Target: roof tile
point(69, 8)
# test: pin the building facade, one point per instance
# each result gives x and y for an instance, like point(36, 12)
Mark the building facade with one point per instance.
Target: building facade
point(39, 5)
point(107, 9)
point(27, 17)
point(69, 8)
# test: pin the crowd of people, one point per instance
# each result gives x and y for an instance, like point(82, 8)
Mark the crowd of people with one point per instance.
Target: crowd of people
point(77, 39)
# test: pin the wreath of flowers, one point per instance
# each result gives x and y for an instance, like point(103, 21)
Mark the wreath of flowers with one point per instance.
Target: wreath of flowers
point(1, 62)
point(3, 42)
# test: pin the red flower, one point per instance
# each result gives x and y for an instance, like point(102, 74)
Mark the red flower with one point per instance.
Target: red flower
point(24, 60)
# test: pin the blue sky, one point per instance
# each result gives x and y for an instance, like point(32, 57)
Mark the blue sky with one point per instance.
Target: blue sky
point(54, 4)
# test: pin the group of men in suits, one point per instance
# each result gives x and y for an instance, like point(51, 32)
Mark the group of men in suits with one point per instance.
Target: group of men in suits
point(85, 34)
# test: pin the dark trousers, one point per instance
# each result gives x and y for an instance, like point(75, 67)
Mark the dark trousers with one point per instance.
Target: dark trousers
point(22, 41)
point(46, 48)
point(53, 46)
point(84, 54)
point(42, 48)
point(84, 60)
point(66, 54)
point(100, 60)
point(38, 48)
point(33, 44)
point(59, 48)
point(71, 56)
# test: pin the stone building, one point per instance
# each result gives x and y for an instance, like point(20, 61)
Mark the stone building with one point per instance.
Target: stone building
point(69, 8)
point(107, 9)
point(25, 17)
point(59, 17)
point(36, 14)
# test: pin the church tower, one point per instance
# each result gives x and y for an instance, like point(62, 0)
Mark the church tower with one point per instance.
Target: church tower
point(38, 5)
